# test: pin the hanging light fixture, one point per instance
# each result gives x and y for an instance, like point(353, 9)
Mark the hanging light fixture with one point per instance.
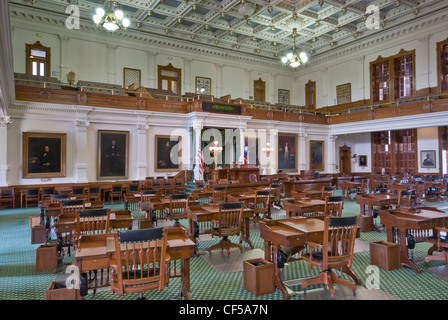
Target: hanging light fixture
point(292, 58)
point(111, 20)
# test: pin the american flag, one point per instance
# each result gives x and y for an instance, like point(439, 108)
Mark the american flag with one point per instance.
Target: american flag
point(246, 151)
point(200, 162)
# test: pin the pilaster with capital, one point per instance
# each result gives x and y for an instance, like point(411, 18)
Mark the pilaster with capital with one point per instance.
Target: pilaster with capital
point(187, 75)
point(302, 151)
point(332, 156)
point(197, 129)
point(111, 50)
point(218, 80)
point(152, 70)
point(65, 58)
point(142, 137)
point(81, 155)
point(5, 121)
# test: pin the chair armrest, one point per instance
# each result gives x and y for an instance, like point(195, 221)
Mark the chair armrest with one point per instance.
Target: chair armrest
point(315, 245)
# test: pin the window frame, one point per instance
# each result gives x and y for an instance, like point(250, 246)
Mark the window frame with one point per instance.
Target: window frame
point(170, 67)
point(393, 77)
point(30, 59)
point(441, 65)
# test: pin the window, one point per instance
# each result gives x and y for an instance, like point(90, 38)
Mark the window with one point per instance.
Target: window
point(38, 60)
point(310, 95)
point(393, 77)
point(442, 59)
point(170, 78)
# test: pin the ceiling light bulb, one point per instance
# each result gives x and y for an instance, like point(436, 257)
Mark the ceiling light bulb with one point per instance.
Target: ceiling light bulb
point(97, 19)
point(118, 14)
point(100, 12)
point(289, 55)
point(126, 22)
point(284, 59)
point(303, 57)
point(295, 64)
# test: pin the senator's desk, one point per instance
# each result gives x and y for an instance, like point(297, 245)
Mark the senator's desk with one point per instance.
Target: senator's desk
point(202, 215)
point(244, 173)
point(419, 222)
point(95, 251)
point(248, 198)
point(347, 186)
point(396, 188)
point(311, 184)
point(307, 193)
point(303, 207)
point(375, 200)
point(293, 232)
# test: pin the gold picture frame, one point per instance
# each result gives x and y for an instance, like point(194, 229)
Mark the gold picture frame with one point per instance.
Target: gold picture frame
point(165, 153)
point(362, 161)
point(113, 155)
point(317, 155)
point(43, 155)
point(287, 152)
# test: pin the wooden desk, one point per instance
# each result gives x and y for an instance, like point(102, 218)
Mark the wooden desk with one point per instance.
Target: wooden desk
point(419, 224)
point(293, 232)
point(300, 208)
point(95, 251)
point(347, 186)
point(307, 193)
point(200, 217)
point(375, 200)
point(244, 173)
point(311, 184)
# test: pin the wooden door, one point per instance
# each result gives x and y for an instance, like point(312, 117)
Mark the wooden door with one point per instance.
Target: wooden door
point(345, 160)
point(259, 90)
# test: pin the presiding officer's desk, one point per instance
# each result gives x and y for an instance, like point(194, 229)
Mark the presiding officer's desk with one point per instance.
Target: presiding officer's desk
point(95, 251)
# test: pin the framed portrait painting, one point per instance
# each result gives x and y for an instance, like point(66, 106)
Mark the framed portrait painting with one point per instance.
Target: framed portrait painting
point(287, 152)
point(317, 155)
point(168, 156)
point(362, 161)
point(113, 154)
point(43, 155)
point(428, 158)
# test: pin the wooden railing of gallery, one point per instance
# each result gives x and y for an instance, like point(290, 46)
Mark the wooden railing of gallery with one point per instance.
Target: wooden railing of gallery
point(138, 99)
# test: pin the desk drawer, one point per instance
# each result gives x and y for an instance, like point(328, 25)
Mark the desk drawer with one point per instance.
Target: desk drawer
point(176, 254)
point(95, 264)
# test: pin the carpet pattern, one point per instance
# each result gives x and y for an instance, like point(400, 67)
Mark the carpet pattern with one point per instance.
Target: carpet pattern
point(218, 277)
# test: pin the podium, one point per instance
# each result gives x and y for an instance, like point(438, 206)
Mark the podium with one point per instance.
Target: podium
point(245, 173)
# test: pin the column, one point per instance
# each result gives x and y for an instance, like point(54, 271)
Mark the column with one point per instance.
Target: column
point(4, 122)
point(81, 151)
point(111, 49)
point(218, 92)
point(302, 152)
point(325, 98)
point(142, 164)
point(247, 84)
point(151, 70)
point(65, 58)
point(242, 145)
point(272, 88)
point(332, 161)
point(187, 76)
point(362, 80)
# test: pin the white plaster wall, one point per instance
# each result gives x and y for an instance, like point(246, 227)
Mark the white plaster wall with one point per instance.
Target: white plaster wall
point(360, 144)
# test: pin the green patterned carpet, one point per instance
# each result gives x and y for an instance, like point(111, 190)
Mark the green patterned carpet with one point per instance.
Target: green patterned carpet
point(216, 277)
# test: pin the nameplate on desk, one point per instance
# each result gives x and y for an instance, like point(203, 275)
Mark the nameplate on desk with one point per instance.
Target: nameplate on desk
point(222, 108)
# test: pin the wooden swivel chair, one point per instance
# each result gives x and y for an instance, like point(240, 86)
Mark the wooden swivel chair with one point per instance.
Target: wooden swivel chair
point(178, 207)
point(94, 194)
point(91, 221)
point(440, 244)
point(228, 224)
point(59, 197)
point(335, 252)
point(261, 205)
point(333, 206)
point(117, 193)
point(327, 191)
point(31, 195)
point(141, 261)
point(46, 193)
point(179, 186)
point(79, 192)
point(276, 193)
point(7, 196)
point(219, 195)
point(405, 198)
